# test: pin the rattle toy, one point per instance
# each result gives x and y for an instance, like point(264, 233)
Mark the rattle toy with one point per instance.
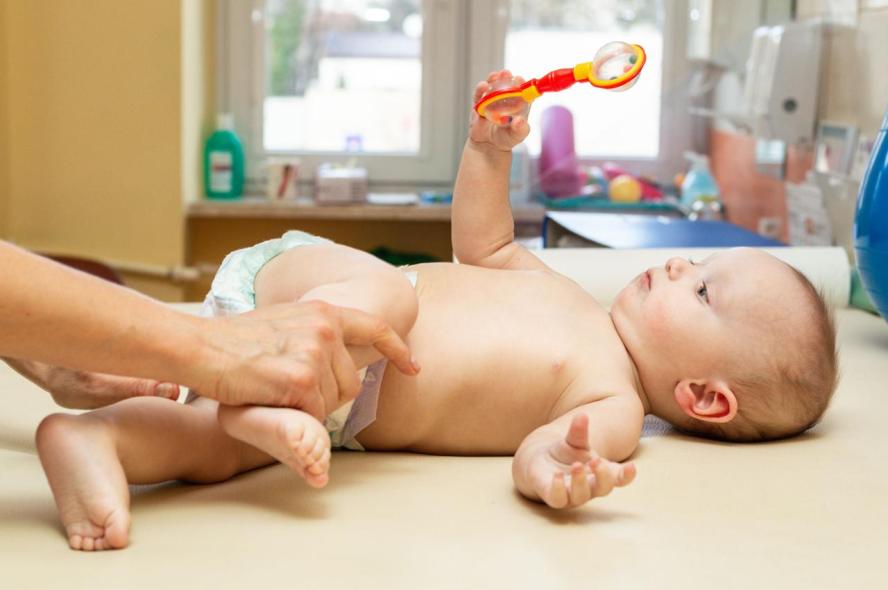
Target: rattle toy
point(616, 66)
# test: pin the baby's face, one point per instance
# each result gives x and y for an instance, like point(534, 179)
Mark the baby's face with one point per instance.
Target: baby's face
point(707, 317)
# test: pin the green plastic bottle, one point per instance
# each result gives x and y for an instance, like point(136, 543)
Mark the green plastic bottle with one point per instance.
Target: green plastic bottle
point(224, 161)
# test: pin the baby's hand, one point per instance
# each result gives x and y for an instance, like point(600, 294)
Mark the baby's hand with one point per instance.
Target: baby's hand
point(501, 137)
point(568, 473)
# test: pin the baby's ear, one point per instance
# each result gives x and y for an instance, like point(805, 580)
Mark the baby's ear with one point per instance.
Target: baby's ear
point(710, 400)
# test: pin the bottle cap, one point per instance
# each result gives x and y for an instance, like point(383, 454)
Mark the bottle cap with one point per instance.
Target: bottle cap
point(225, 121)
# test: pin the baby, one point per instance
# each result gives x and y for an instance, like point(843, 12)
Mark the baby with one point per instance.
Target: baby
point(516, 359)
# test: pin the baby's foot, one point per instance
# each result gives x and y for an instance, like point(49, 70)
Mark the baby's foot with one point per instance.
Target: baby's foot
point(294, 438)
point(87, 481)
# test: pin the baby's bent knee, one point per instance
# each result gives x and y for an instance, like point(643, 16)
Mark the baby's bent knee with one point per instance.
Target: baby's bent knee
point(401, 302)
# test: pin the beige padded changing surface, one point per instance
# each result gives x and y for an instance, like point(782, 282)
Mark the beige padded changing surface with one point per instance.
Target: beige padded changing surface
point(805, 513)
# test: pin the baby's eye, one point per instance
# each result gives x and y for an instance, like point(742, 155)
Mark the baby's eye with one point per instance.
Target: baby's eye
point(703, 292)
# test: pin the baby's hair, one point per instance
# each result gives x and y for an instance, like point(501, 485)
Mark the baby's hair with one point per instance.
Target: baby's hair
point(787, 394)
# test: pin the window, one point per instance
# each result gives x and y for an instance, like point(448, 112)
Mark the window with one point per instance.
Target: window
point(330, 64)
point(389, 82)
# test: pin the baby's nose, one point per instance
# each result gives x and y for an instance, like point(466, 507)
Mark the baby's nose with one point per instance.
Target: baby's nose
point(676, 266)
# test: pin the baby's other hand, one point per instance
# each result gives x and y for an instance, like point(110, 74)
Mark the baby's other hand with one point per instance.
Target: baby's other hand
point(502, 137)
point(568, 473)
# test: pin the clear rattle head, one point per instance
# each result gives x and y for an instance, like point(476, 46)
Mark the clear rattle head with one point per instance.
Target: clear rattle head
point(500, 111)
point(614, 60)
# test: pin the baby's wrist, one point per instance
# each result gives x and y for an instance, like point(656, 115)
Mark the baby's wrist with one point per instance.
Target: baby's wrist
point(487, 149)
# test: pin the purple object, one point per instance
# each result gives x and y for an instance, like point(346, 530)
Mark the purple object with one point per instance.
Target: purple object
point(559, 169)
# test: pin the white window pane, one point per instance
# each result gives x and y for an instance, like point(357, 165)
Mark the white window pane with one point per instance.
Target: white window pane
point(545, 35)
point(343, 75)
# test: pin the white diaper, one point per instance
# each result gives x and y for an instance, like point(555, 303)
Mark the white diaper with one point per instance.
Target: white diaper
point(233, 289)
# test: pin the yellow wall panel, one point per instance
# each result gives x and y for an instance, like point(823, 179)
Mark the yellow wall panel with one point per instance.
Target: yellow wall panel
point(4, 134)
point(94, 90)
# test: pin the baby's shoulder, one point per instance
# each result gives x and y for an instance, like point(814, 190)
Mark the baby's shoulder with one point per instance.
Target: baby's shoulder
point(603, 381)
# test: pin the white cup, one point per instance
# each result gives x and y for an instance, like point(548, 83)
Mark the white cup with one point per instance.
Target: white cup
point(283, 173)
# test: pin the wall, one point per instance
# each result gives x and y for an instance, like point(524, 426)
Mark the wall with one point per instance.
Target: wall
point(4, 134)
point(106, 108)
point(198, 64)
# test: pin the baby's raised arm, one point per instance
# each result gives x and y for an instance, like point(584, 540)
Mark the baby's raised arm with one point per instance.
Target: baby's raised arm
point(575, 457)
point(483, 230)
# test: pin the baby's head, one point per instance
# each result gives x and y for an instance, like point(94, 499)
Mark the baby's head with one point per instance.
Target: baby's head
point(739, 346)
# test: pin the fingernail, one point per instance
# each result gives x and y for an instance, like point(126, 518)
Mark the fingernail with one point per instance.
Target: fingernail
point(167, 390)
point(415, 364)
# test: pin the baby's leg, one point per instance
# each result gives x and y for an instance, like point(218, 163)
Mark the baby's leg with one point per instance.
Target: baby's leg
point(89, 459)
point(342, 276)
point(337, 275)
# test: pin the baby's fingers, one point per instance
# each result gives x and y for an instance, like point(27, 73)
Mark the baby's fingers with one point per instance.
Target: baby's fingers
point(578, 432)
point(609, 475)
point(627, 474)
point(556, 496)
point(519, 128)
point(498, 75)
point(580, 488)
point(481, 88)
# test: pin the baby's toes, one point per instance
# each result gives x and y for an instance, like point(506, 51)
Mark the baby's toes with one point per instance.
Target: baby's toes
point(310, 449)
point(318, 464)
point(321, 465)
point(317, 481)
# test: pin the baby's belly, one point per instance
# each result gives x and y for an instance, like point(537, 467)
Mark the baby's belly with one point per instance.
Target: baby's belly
point(443, 414)
point(492, 370)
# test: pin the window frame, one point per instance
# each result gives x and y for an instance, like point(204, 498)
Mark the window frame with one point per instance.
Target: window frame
point(444, 113)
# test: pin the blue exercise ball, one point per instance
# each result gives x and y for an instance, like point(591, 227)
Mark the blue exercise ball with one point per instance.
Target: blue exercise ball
point(871, 224)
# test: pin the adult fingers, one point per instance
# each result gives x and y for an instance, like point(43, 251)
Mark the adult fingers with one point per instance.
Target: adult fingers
point(304, 391)
point(328, 385)
point(166, 390)
point(345, 373)
point(363, 329)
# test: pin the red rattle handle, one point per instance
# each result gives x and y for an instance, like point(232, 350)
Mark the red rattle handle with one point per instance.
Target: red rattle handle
point(553, 81)
point(532, 89)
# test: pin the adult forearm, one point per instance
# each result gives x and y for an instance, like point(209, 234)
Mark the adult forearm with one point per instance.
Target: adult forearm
point(56, 315)
point(482, 217)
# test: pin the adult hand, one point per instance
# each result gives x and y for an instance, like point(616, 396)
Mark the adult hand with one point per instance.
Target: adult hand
point(294, 355)
point(84, 390)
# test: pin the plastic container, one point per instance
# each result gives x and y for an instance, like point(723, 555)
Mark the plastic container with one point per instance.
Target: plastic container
point(698, 184)
point(558, 166)
point(224, 161)
point(871, 224)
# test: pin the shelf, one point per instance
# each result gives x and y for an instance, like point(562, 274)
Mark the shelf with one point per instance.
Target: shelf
point(258, 207)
